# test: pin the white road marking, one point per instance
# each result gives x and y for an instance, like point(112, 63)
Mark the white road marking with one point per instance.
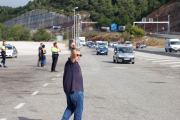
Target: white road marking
point(19, 106)
point(53, 78)
point(46, 84)
point(3, 119)
point(169, 63)
point(170, 77)
point(34, 93)
point(162, 61)
point(58, 74)
point(175, 66)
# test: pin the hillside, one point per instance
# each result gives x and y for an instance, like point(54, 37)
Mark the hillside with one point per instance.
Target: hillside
point(172, 9)
point(105, 12)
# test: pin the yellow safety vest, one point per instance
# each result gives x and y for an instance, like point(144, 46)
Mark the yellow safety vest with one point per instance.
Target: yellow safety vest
point(54, 49)
point(3, 47)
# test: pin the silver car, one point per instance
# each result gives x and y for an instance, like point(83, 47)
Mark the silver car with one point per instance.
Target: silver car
point(128, 43)
point(123, 53)
point(111, 44)
point(11, 51)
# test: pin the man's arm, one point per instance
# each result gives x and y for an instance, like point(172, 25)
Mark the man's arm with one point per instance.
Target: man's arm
point(73, 56)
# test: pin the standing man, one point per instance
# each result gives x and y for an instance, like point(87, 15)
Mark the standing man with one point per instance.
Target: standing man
point(73, 85)
point(3, 53)
point(39, 54)
point(55, 53)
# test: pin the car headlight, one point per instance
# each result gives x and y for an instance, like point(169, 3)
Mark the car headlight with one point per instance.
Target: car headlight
point(120, 56)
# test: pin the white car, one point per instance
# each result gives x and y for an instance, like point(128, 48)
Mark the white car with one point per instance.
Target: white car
point(11, 51)
point(114, 44)
point(128, 43)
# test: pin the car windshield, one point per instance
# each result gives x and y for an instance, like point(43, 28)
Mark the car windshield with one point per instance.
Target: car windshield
point(82, 41)
point(9, 47)
point(102, 47)
point(102, 43)
point(115, 43)
point(119, 43)
point(124, 50)
point(128, 43)
point(175, 43)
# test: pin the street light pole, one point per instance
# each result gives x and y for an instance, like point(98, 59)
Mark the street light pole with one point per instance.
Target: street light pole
point(77, 16)
point(157, 23)
point(72, 32)
point(169, 23)
point(67, 33)
point(74, 20)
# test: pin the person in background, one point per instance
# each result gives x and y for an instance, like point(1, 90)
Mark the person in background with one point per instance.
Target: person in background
point(3, 53)
point(39, 54)
point(55, 53)
point(73, 85)
point(43, 58)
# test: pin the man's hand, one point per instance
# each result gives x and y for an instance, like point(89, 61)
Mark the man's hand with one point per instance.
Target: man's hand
point(73, 55)
point(73, 44)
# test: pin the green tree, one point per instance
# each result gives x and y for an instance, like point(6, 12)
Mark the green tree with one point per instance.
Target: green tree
point(137, 32)
point(41, 35)
point(107, 39)
point(128, 27)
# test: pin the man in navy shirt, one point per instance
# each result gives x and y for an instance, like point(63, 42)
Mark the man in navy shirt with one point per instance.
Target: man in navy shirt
point(39, 54)
point(73, 85)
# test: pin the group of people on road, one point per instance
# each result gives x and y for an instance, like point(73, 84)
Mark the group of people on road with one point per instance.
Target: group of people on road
point(42, 56)
point(72, 78)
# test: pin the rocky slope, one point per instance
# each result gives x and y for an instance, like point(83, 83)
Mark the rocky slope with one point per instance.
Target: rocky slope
point(172, 9)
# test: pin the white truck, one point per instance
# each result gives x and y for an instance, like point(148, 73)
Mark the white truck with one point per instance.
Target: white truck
point(172, 45)
point(82, 41)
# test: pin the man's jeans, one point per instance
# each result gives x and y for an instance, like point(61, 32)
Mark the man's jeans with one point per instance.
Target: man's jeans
point(74, 105)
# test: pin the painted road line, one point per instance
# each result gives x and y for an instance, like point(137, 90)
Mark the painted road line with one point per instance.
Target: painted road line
point(170, 77)
point(53, 78)
point(58, 74)
point(19, 106)
point(46, 84)
point(175, 66)
point(3, 119)
point(169, 63)
point(163, 61)
point(34, 93)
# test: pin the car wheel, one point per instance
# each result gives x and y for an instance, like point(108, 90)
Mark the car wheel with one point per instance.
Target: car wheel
point(165, 50)
point(136, 47)
point(142, 48)
point(97, 53)
point(169, 50)
point(175, 51)
point(132, 62)
point(16, 56)
point(106, 54)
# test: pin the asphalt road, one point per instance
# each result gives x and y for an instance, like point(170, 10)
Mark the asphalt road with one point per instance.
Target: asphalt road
point(164, 36)
point(146, 90)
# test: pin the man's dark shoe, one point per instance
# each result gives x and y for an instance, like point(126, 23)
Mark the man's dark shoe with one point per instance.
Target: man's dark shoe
point(5, 66)
point(0, 66)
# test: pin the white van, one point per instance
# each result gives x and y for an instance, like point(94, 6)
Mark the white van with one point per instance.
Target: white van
point(82, 41)
point(172, 45)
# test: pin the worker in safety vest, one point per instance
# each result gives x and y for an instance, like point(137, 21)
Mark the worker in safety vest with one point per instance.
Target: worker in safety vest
point(55, 53)
point(3, 53)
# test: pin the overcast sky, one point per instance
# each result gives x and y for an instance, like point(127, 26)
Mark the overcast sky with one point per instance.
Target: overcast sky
point(14, 3)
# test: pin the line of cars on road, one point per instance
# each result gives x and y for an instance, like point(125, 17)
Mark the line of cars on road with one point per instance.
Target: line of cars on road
point(11, 52)
point(122, 52)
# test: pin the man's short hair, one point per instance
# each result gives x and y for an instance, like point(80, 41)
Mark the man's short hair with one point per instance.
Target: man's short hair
point(4, 41)
point(41, 43)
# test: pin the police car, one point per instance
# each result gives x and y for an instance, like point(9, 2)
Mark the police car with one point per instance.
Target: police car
point(11, 52)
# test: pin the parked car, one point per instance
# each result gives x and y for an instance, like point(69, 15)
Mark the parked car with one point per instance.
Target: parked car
point(91, 44)
point(111, 44)
point(87, 43)
point(172, 45)
point(11, 51)
point(123, 53)
point(128, 43)
point(139, 45)
point(102, 50)
point(119, 43)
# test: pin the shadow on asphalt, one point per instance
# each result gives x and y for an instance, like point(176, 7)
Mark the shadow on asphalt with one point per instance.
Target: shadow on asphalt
point(116, 63)
point(156, 82)
point(23, 118)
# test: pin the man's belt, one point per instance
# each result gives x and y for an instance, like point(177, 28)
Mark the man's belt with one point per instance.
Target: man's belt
point(55, 53)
